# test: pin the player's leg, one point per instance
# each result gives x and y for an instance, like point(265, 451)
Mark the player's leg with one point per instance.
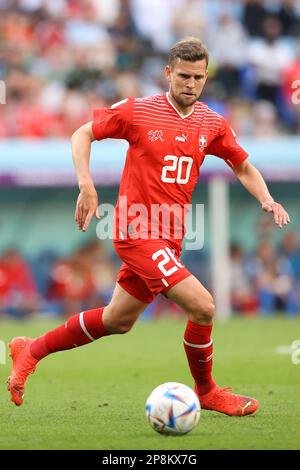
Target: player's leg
point(198, 304)
point(122, 312)
point(116, 318)
point(199, 307)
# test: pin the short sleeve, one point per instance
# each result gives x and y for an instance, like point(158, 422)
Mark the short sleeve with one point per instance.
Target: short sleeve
point(114, 122)
point(226, 147)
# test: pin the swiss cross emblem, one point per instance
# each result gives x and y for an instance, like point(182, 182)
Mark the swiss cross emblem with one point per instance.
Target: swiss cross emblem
point(156, 135)
point(202, 142)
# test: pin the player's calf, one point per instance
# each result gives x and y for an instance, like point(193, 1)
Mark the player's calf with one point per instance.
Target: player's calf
point(120, 329)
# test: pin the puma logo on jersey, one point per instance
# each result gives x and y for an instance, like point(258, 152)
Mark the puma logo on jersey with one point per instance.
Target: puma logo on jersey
point(181, 138)
point(156, 135)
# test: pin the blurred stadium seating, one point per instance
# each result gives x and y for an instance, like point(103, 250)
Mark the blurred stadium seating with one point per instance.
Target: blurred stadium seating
point(60, 59)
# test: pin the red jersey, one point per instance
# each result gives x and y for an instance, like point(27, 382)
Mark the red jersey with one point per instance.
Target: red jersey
point(166, 151)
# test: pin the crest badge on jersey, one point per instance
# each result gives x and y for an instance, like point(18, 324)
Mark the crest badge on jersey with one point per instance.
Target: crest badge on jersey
point(202, 142)
point(156, 135)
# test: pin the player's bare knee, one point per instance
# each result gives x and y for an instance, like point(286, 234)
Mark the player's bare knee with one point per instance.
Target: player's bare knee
point(212, 309)
point(202, 312)
point(208, 313)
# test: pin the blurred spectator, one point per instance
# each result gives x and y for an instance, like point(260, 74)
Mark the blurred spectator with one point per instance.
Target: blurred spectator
point(71, 286)
point(243, 296)
point(253, 17)
point(269, 56)
point(291, 250)
point(18, 292)
point(287, 15)
point(103, 271)
point(189, 20)
point(239, 115)
point(83, 281)
point(264, 227)
point(272, 276)
point(228, 51)
point(265, 122)
point(153, 21)
point(198, 264)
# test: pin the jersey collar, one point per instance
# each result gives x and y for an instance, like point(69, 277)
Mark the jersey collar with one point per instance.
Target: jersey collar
point(177, 111)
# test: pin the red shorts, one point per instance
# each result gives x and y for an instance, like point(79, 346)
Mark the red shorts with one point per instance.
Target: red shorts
point(150, 267)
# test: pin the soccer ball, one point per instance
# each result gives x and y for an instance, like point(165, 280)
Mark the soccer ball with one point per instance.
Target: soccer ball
point(173, 408)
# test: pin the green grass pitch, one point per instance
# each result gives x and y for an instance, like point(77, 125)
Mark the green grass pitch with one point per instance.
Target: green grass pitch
point(94, 397)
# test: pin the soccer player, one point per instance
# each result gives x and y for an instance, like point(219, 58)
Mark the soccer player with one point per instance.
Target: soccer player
point(169, 136)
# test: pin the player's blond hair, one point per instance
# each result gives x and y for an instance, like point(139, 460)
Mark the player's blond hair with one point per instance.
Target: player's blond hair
point(190, 49)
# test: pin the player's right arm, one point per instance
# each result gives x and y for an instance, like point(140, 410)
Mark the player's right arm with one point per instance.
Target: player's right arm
point(87, 202)
point(111, 123)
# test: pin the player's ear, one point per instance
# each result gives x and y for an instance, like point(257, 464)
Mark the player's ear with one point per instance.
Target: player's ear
point(168, 73)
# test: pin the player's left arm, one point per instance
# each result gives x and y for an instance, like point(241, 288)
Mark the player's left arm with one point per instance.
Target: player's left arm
point(255, 184)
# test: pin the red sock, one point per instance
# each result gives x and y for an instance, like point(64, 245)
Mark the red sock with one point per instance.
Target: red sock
point(80, 329)
point(198, 346)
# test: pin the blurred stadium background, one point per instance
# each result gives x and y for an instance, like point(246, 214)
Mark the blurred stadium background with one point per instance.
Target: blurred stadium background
point(59, 59)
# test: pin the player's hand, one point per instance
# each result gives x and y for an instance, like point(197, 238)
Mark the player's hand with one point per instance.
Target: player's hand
point(281, 217)
point(86, 208)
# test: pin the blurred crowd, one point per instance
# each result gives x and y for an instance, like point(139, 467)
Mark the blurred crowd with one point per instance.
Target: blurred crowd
point(62, 58)
point(267, 281)
point(262, 282)
point(56, 285)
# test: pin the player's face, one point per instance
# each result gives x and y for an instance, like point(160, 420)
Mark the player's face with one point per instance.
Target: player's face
point(186, 80)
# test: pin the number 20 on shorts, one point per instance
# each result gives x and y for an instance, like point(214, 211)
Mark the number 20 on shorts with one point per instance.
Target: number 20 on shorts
point(166, 256)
